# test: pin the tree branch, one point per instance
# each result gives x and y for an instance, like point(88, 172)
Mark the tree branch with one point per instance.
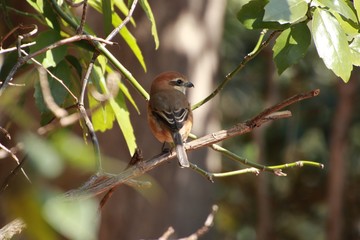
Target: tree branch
point(102, 184)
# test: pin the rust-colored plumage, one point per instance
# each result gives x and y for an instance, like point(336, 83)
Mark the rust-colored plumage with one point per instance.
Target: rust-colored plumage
point(169, 113)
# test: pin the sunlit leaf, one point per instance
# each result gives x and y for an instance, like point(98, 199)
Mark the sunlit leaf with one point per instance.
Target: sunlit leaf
point(120, 4)
point(76, 219)
point(251, 16)
point(124, 32)
point(127, 94)
point(130, 40)
point(146, 6)
point(355, 49)
point(122, 116)
point(285, 11)
point(102, 116)
point(357, 7)
point(51, 57)
point(339, 6)
point(291, 46)
point(331, 43)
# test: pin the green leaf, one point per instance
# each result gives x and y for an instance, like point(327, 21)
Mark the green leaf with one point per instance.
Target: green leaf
point(38, 5)
point(331, 44)
point(107, 10)
point(119, 108)
point(146, 7)
point(357, 7)
point(51, 57)
point(43, 156)
point(75, 219)
point(291, 46)
point(127, 94)
point(130, 40)
point(355, 50)
point(83, 158)
point(124, 32)
point(103, 117)
point(123, 118)
point(340, 6)
point(120, 4)
point(58, 92)
point(285, 11)
point(251, 16)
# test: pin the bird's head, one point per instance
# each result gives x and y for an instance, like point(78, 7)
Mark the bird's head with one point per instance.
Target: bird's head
point(170, 80)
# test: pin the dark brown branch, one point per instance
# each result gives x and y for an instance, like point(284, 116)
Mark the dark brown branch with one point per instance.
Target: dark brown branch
point(104, 184)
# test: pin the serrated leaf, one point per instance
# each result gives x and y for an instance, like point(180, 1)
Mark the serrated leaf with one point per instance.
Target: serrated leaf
point(339, 6)
point(285, 11)
point(51, 57)
point(355, 50)
point(251, 16)
point(146, 7)
point(107, 12)
point(291, 46)
point(331, 44)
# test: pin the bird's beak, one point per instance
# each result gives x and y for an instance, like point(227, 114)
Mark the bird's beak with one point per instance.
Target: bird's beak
point(188, 85)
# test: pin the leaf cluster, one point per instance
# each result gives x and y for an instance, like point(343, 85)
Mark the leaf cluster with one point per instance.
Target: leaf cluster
point(333, 26)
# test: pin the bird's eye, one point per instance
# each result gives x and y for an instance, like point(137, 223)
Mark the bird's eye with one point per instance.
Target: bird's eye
point(179, 82)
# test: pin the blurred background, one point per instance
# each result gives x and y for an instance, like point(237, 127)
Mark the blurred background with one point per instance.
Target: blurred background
point(204, 40)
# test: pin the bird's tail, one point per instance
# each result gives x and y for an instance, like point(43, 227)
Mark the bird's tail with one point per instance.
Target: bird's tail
point(180, 150)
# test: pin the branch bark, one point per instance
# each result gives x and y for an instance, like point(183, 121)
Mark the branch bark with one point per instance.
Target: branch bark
point(100, 184)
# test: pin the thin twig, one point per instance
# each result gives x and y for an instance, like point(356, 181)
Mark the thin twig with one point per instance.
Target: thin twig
point(258, 48)
point(83, 17)
point(47, 96)
point(53, 76)
point(12, 174)
point(59, 43)
point(13, 156)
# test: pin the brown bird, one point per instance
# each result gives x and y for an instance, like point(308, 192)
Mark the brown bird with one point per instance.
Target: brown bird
point(169, 113)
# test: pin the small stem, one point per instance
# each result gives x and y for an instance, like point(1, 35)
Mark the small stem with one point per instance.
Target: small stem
point(258, 48)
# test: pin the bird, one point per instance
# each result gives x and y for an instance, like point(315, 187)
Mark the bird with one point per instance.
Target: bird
point(169, 113)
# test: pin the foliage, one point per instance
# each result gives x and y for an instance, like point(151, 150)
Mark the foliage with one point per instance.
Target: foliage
point(334, 29)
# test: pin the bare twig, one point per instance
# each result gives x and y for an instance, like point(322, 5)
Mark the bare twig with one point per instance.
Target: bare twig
point(258, 48)
point(59, 43)
point(12, 174)
point(206, 227)
point(13, 156)
point(48, 98)
point(83, 17)
point(200, 232)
